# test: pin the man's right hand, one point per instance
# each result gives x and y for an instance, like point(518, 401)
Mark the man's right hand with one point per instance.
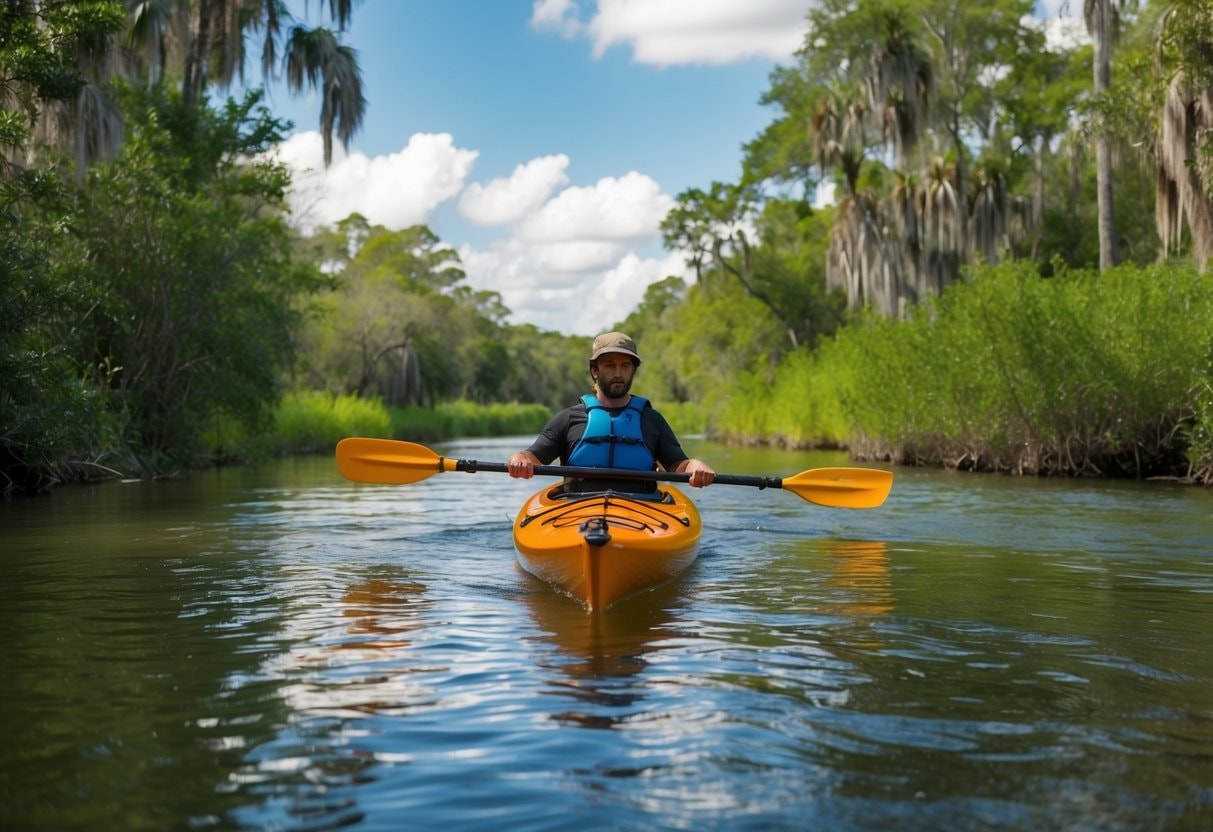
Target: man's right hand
point(522, 465)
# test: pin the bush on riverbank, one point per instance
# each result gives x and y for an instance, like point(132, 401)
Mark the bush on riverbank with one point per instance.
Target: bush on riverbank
point(1082, 374)
point(314, 422)
point(462, 418)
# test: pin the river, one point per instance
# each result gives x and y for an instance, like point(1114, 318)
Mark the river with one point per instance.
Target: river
point(277, 648)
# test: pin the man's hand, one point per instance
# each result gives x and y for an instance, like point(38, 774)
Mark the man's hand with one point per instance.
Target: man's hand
point(522, 465)
point(701, 473)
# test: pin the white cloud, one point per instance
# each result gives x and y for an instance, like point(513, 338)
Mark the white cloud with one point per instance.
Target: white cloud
point(573, 262)
point(1063, 33)
point(396, 191)
point(674, 32)
point(582, 301)
point(574, 256)
point(629, 207)
point(1062, 23)
point(504, 201)
point(559, 16)
point(623, 287)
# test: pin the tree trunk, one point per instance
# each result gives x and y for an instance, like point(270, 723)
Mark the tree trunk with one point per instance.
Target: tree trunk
point(197, 54)
point(1102, 36)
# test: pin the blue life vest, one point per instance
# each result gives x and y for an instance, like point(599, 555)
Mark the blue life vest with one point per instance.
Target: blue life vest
point(613, 441)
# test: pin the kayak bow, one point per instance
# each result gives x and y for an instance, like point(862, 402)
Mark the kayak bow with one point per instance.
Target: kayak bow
point(603, 547)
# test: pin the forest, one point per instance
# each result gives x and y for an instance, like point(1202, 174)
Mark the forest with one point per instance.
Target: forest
point(1012, 274)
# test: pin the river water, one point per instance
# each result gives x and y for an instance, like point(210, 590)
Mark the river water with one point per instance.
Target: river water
point(280, 649)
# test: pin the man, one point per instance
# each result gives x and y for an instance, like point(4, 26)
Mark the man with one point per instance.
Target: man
point(610, 428)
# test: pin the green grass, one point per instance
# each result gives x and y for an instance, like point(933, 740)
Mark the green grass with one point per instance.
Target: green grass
point(313, 422)
point(1083, 373)
point(456, 419)
point(310, 422)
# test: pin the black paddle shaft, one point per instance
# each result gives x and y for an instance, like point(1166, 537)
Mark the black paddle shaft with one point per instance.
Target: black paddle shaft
point(471, 466)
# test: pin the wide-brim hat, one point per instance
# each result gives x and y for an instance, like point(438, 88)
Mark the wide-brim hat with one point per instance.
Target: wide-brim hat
point(614, 342)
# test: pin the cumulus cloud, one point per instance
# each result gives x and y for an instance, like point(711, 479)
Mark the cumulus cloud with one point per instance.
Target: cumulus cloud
point(396, 190)
point(629, 207)
point(560, 16)
point(675, 32)
point(582, 301)
point(504, 201)
point(569, 259)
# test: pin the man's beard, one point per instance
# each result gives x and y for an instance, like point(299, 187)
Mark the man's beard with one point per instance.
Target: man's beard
point(614, 390)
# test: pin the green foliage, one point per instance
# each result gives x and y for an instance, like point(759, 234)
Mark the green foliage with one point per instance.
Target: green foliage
point(391, 323)
point(464, 418)
point(51, 422)
point(185, 310)
point(1079, 374)
point(309, 422)
point(40, 45)
point(544, 367)
point(797, 405)
point(399, 323)
point(686, 418)
point(1199, 432)
point(314, 422)
point(1185, 40)
point(38, 382)
point(693, 351)
point(775, 250)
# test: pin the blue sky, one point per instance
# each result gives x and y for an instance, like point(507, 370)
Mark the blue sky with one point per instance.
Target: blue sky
point(544, 140)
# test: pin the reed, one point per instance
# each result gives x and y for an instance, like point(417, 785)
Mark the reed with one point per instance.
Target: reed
point(1084, 373)
point(464, 418)
point(796, 406)
point(686, 418)
point(311, 421)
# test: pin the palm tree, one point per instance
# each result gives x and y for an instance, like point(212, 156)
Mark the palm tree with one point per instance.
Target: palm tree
point(860, 260)
point(63, 61)
point(207, 37)
point(942, 221)
point(316, 58)
point(838, 135)
point(1185, 168)
point(1102, 19)
point(900, 84)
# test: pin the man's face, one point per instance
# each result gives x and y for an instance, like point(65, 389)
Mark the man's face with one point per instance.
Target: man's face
point(613, 374)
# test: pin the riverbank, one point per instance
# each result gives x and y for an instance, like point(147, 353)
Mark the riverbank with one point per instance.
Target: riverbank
point(1083, 374)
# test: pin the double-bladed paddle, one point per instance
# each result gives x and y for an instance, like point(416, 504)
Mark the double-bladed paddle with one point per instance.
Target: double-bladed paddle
point(392, 462)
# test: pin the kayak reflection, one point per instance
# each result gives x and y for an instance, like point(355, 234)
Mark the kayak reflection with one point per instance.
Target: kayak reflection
point(611, 642)
point(598, 655)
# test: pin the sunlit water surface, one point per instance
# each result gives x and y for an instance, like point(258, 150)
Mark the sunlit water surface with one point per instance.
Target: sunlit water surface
point(281, 649)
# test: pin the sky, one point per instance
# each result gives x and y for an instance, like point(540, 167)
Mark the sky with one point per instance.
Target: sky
point(545, 140)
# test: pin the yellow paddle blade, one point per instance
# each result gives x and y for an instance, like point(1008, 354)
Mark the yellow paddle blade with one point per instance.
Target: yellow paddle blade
point(841, 487)
point(388, 461)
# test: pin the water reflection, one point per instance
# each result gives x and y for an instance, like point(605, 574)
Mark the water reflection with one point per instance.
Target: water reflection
point(857, 576)
point(597, 654)
point(349, 664)
point(274, 650)
point(848, 578)
point(381, 612)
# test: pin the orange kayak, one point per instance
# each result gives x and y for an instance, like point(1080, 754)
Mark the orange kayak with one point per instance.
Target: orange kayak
point(605, 546)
